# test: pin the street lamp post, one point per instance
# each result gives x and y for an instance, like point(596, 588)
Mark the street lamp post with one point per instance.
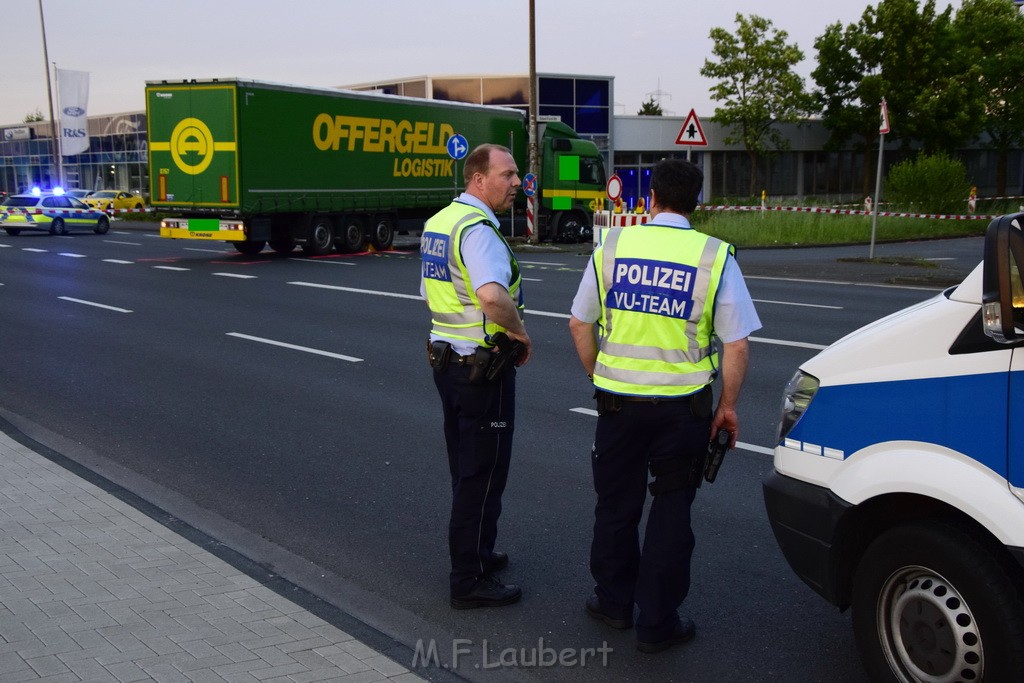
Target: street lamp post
point(55, 147)
point(535, 237)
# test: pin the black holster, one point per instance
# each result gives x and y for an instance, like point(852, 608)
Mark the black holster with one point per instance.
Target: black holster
point(607, 402)
point(482, 359)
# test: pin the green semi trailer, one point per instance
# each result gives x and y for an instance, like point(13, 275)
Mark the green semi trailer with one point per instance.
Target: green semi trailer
point(255, 163)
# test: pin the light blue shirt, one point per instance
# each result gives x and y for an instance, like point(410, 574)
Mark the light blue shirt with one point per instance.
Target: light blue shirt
point(734, 313)
point(486, 257)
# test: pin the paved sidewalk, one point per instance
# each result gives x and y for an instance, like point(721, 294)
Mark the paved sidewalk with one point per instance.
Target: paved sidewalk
point(92, 589)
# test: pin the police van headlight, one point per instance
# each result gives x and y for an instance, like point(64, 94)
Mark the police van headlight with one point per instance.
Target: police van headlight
point(797, 396)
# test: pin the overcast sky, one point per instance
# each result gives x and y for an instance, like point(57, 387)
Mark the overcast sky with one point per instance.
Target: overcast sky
point(651, 47)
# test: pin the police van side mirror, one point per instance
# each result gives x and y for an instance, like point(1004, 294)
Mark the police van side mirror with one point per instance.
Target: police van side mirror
point(1003, 292)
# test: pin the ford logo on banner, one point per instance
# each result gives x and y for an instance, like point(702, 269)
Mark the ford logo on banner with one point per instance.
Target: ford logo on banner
point(74, 111)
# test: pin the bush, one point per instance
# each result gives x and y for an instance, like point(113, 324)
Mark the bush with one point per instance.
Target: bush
point(928, 184)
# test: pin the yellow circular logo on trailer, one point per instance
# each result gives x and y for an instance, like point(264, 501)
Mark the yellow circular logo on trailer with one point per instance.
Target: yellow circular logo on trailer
point(190, 138)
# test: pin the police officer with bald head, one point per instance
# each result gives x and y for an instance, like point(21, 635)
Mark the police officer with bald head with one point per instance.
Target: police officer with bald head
point(652, 301)
point(472, 284)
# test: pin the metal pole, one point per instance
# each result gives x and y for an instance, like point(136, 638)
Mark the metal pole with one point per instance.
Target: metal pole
point(49, 96)
point(878, 192)
point(535, 237)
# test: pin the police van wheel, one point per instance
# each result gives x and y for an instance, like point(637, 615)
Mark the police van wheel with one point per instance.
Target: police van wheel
point(57, 227)
point(102, 226)
point(13, 232)
point(933, 603)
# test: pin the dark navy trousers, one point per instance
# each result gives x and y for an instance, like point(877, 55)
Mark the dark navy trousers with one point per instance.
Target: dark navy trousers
point(479, 420)
point(655, 577)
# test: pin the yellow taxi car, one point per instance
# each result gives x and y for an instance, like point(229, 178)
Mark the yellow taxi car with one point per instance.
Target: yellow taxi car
point(50, 211)
point(108, 200)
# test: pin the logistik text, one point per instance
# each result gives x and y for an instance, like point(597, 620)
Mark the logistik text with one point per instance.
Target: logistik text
point(372, 135)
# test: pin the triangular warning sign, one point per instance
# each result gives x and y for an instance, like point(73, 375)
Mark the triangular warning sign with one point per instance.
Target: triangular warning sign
point(691, 133)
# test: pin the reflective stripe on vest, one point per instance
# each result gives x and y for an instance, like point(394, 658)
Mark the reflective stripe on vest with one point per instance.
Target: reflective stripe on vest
point(454, 308)
point(657, 286)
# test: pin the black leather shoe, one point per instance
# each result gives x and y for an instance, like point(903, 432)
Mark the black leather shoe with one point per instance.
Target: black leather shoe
point(685, 630)
point(498, 561)
point(593, 608)
point(488, 592)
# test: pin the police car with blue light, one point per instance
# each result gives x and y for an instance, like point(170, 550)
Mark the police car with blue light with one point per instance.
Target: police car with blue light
point(54, 212)
point(898, 487)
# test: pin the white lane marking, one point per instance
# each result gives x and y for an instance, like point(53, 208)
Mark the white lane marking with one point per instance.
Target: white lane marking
point(93, 303)
point(354, 290)
point(5, 246)
point(69, 254)
point(130, 244)
point(210, 251)
point(841, 282)
point(584, 411)
point(328, 262)
point(306, 349)
point(794, 303)
point(541, 263)
point(784, 342)
point(34, 250)
point(175, 268)
point(117, 260)
point(237, 275)
point(532, 279)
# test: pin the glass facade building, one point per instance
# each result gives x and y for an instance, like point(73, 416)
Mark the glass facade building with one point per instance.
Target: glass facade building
point(116, 158)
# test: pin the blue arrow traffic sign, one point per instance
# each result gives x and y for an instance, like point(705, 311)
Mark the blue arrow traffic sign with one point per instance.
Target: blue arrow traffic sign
point(458, 147)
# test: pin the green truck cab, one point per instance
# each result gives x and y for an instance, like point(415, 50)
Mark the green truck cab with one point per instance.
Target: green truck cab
point(255, 163)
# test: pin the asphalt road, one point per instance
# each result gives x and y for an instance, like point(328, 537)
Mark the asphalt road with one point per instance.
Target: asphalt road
point(284, 406)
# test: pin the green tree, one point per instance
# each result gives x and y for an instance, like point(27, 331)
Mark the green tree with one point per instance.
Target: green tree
point(756, 85)
point(910, 56)
point(989, 33)
point(650, 108)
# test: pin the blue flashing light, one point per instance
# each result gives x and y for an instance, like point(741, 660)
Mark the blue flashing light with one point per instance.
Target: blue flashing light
point(58, 190)
point(36, 192)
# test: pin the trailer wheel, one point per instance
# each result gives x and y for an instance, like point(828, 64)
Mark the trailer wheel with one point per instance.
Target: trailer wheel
point(383, 235)
point(321, 236)
point(932, 603)
point(283, 245)
point(353, 237)
point(250, 247)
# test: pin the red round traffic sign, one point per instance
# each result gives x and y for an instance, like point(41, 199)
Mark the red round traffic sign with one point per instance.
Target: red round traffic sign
point(614, 187)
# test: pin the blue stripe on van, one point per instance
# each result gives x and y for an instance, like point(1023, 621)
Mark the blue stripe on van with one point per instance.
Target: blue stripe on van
point(965, 413)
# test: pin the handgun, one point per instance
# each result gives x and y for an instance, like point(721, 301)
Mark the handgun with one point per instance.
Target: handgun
point(508, 353)
point(716, 453)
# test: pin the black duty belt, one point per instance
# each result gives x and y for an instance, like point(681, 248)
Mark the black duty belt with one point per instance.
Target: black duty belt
point(655, 399)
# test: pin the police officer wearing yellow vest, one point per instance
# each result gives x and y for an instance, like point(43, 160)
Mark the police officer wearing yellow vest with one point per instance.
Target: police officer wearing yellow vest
point(650, 304)
point(471, 281)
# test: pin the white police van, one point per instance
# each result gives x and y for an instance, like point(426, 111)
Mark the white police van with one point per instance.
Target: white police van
point(898, 487)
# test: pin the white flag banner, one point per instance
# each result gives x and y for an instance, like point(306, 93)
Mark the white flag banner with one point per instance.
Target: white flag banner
point(73, 96)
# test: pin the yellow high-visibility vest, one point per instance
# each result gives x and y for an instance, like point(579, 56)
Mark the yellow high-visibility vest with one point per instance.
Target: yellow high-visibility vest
point(657, 286)
point(454, 307)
